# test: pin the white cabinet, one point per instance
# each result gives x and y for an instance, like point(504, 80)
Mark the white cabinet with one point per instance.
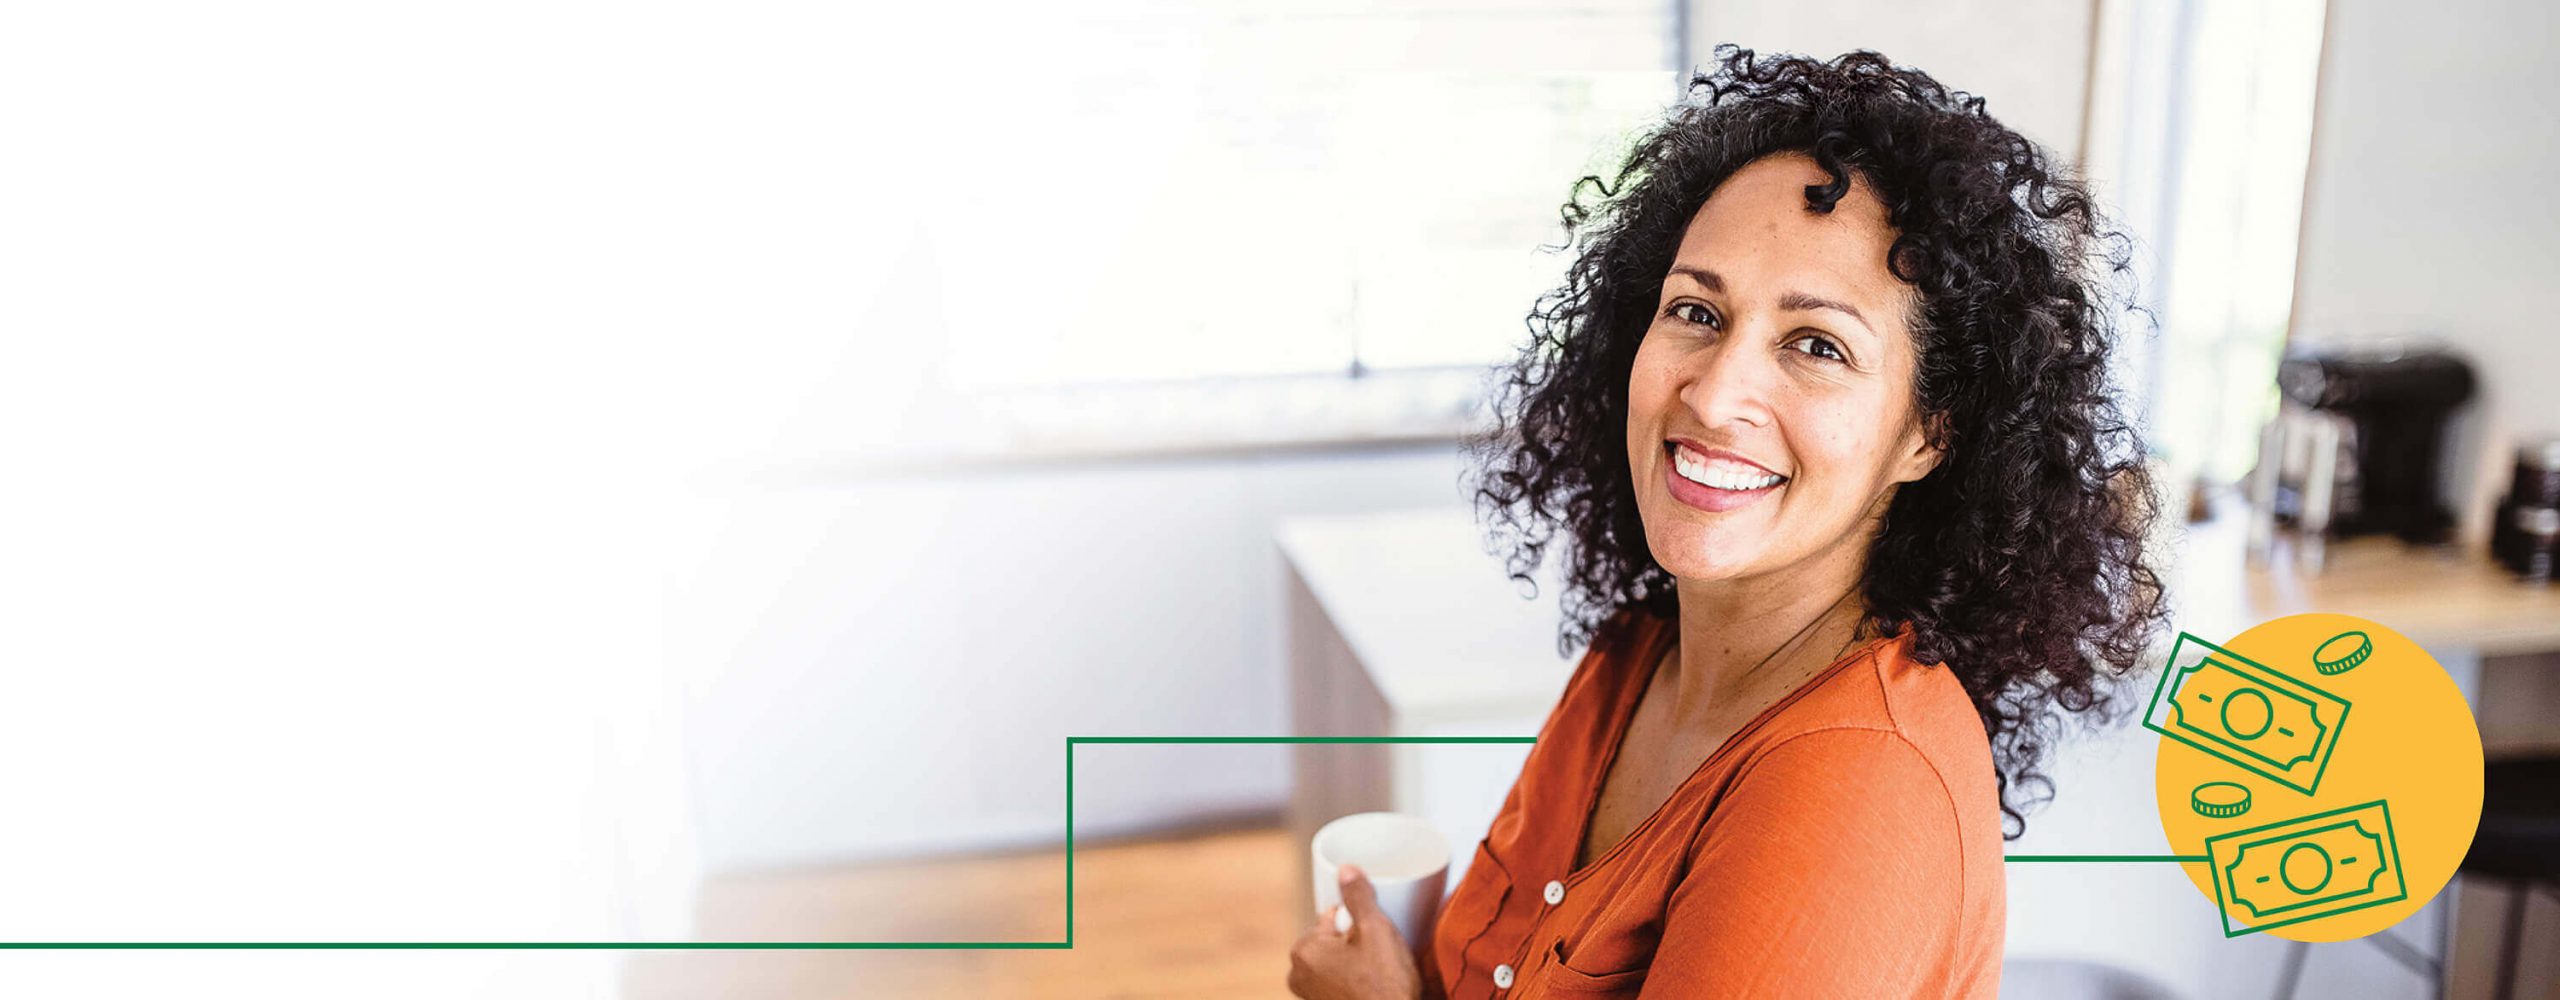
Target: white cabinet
point(1402, 624)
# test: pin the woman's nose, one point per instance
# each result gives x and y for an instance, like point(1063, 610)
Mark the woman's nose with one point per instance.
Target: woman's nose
point(1728, 385)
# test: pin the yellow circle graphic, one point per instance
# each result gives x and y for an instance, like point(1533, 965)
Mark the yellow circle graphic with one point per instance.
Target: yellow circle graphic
point(2325, 768)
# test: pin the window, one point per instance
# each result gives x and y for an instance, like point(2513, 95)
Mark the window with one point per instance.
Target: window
point(2203, 148)
point(1220, 189)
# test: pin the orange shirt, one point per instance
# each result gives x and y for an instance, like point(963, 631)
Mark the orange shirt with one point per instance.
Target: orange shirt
point(1845, 843)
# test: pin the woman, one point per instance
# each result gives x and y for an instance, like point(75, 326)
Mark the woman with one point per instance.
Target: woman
point(1822, 409)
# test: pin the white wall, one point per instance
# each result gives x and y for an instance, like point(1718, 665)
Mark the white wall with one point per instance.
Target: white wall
point(891, 667)
point(2431, 208)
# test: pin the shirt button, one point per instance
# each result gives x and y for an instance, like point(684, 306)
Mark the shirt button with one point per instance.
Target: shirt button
point(1555, 893)
point(1502, 977)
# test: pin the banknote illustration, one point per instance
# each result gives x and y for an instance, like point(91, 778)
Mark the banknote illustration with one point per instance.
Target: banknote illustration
point(2242, 711)
point(2306, 868)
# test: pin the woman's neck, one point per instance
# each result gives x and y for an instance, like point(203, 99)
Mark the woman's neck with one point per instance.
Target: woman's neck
point(1748, 641)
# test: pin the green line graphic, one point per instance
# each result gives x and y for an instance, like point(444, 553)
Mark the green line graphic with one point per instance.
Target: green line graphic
point(1068, 942)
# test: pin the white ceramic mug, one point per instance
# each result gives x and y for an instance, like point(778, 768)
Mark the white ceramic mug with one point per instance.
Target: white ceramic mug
point(1405, 858)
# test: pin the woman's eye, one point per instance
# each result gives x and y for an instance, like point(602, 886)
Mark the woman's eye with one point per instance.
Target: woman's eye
point(1819, 346)
point(1694, 313)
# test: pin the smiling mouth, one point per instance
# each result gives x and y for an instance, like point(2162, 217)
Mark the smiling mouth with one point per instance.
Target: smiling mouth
point(1719, 472)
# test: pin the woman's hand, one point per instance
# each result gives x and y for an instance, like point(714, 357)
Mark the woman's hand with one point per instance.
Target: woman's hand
point(1372, 962)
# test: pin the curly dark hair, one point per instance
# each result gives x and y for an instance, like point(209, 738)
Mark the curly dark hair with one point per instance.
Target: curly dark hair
point(2017, 562)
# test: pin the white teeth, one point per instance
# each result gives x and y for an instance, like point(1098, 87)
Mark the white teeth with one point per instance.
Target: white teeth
point(1721, 474)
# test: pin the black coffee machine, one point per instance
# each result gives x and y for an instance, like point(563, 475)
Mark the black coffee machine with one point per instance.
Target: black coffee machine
point(2358, 446)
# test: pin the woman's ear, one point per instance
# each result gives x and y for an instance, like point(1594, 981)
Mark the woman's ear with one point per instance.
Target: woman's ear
point(1922, 447)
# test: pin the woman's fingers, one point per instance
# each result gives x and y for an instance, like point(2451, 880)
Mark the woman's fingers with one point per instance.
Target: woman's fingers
point(1323, 964)
point(1368, 960)
point(1360, 900)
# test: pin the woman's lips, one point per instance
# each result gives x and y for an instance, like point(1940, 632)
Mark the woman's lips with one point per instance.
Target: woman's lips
point(1705, 497)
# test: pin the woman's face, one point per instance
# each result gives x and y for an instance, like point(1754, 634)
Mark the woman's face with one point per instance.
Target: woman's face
point(1770, 411)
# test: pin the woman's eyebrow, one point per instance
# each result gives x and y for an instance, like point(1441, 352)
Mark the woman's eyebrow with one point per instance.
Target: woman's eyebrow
point(1701, 275)
point(1800, 300)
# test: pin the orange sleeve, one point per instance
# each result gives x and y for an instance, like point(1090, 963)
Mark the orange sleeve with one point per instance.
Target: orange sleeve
point(1831, 868)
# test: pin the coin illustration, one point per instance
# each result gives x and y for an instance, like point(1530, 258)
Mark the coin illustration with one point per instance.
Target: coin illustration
point(2221, 799)
point(2342, 652)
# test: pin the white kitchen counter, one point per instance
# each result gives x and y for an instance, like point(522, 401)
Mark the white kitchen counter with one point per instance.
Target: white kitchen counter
point(1401, 624)
point(1442, 633)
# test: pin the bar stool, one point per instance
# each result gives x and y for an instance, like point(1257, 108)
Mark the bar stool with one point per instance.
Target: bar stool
point(2518, 845)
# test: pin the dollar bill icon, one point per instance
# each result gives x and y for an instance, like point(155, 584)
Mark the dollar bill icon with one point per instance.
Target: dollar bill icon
point(2306, 868)
point(2235, 708)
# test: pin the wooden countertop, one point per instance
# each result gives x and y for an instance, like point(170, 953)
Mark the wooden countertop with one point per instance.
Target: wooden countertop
point(2447, 596)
